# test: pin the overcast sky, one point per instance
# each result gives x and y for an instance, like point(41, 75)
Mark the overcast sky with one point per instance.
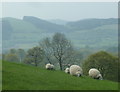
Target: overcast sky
point(66, 11)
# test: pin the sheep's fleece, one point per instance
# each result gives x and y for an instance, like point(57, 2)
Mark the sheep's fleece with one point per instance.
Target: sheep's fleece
point(49, 66)
point(94, 73)
point(75, 70)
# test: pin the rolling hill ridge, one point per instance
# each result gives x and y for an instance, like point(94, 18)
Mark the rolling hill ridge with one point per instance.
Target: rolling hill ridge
point(27, 32)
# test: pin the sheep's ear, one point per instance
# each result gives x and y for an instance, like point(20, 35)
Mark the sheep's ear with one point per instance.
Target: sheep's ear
point(99, 69)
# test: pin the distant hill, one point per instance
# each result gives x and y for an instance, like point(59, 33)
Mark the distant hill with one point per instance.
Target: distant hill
point(27, 32)
point(7, 30)
point(58, 21)
point(103, 36)
point(45, 25)
point(25, 77)
point(91, 23)
point(19, 34)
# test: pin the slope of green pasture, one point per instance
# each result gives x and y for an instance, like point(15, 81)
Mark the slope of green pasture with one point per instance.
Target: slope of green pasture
point(24, 77)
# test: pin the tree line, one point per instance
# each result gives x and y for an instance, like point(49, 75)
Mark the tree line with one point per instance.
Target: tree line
point(60, 51)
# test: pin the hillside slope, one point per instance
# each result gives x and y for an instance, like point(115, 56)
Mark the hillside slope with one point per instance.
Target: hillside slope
point(27, 32)
point(23, 77)
point(91, 23)
point(0, 75)
point(45, 25)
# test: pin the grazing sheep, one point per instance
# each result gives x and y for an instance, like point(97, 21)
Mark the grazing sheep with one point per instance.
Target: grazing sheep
point(52, 66)
point(67, 70)
point(94, 73)
point(76, 70)
point(49, 66)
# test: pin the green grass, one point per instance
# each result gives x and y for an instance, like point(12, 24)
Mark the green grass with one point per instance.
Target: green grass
point(0, 75)
point(25, 77)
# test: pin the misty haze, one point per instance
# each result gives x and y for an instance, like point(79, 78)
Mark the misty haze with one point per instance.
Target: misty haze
point(59, 46)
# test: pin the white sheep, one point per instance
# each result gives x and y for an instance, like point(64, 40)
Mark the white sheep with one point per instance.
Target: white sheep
point(49, 66)
point(67, 70)
point(76, 70)
point(94, 73)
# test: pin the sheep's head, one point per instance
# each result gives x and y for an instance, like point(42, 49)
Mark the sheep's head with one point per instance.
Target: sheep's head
point(78, 73)
point(67, 70)
point(100, 77)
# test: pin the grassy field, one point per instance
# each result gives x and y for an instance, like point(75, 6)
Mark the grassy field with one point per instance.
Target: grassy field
point(24, 77)
point(0, 75)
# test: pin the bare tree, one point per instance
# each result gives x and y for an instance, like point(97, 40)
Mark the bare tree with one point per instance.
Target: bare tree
point(62, 48)
point(46, 45)
point(59, 48)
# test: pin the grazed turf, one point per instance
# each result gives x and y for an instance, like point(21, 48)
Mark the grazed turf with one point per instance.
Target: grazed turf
point(24, 77)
